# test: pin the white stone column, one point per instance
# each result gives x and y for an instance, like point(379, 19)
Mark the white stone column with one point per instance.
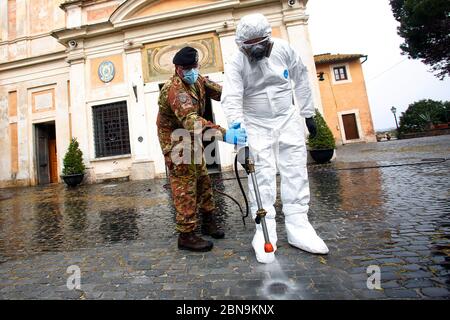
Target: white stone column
point(151, 105)
point(297, 29)
point(78, 108)
point(5, 156)
point(142, 166)
point(23, 131)
point(228, 47)
point(62, 120)
point(74, 16)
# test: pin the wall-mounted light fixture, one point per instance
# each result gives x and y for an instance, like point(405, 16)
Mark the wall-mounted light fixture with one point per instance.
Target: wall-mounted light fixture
point(320, 76)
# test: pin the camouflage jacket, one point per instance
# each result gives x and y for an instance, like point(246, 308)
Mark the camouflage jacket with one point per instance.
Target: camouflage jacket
point(181, 106)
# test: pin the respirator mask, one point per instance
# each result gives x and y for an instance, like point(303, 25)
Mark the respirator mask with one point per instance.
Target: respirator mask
point(257, 50)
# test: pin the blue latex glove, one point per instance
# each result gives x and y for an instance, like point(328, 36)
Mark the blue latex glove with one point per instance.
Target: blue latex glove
point(236, 134)
point(235, 125)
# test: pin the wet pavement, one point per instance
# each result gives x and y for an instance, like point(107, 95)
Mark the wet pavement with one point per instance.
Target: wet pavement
point(382, 206)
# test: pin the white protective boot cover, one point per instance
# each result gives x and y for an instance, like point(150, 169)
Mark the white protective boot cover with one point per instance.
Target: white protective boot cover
point(258, 242)
point(302, 235)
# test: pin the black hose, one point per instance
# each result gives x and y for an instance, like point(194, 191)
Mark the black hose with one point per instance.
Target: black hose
point(236, 171)
point(423, 161)
point(235, 201)
point(238, 178)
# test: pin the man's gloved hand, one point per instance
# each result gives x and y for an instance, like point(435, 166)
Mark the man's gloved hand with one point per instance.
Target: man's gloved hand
point(311, 124)
point(236, 134)
point(235, 125)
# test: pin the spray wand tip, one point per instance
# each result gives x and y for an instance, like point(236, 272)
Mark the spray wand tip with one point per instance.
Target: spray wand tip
point(268, 247)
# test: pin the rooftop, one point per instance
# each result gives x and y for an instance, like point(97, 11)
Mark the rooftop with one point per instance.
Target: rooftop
point(331, 58)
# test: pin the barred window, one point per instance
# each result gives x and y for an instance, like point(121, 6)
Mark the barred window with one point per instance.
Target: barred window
point(111, 129)
point(340, 73)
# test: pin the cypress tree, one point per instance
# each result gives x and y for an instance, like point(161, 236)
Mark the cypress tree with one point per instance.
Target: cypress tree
point(73, 160)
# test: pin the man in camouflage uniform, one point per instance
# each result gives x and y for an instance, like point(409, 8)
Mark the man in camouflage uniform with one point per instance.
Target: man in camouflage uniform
point(181, 106)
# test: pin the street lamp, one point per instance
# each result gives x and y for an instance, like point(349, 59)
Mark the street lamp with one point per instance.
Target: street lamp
point(394, 110)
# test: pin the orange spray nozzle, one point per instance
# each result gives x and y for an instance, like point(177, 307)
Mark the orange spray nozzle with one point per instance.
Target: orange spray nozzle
point(268, 247)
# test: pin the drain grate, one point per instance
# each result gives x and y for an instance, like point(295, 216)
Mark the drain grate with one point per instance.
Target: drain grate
point(278, 288)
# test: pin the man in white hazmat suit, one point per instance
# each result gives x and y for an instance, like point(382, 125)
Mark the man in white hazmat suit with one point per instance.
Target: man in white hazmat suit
point(260, 81)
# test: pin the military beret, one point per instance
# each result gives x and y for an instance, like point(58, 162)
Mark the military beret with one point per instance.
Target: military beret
point(186, 56)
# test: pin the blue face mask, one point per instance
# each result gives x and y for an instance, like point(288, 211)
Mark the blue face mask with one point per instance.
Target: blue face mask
point(190, 76)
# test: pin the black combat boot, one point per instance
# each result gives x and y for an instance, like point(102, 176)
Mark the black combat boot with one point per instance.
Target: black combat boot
point(210, 228)
point(189, 241)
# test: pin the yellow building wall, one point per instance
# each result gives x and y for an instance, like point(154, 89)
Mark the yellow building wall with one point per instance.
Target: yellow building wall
point(41, 16)
point(12, 19)
point(103, 13)
point(341, 97)
point(33, 19)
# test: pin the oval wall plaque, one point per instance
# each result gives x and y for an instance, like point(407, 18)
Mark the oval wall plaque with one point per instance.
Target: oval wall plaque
point(106, 71)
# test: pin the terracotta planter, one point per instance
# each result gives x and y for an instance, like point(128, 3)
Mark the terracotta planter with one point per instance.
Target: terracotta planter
point(73, 180)
point(322, 156)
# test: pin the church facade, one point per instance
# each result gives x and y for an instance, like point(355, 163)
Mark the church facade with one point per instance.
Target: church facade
point(92, 69)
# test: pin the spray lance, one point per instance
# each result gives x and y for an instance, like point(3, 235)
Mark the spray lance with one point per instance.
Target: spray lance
point(247, 162)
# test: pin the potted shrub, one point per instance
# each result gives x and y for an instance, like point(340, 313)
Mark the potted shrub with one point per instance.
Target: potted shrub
point(321, 147)
point(73, 171)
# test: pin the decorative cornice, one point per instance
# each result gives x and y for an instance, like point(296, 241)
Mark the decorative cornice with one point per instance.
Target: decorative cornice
point(118, 16)
point(80, 3)
point(33, 60)
point(69, 3)
point(228, 28)
point(64, 35)
point(76, 58)
point(130, 46)
point(25, 38)
point(295, 18)
point(116, 24)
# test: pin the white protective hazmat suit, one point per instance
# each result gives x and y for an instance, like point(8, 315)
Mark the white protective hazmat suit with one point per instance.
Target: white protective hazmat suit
point(259, 94)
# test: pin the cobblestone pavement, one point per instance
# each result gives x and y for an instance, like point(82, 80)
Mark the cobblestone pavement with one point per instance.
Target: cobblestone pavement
point(121, 236)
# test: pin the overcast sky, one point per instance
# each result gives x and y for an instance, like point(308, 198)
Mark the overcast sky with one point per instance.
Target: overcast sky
point(368, 27)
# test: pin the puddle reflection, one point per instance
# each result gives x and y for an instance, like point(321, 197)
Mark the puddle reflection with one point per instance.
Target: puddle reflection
point(48, 226)
point(119, 224)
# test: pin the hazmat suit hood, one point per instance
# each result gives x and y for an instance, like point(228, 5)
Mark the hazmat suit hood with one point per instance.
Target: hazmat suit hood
point(254, 26)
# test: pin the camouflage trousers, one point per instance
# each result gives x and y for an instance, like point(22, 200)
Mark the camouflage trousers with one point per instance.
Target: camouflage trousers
point(191, 191)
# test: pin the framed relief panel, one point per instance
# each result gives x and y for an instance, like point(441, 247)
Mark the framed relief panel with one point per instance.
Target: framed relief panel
point(157, 57)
